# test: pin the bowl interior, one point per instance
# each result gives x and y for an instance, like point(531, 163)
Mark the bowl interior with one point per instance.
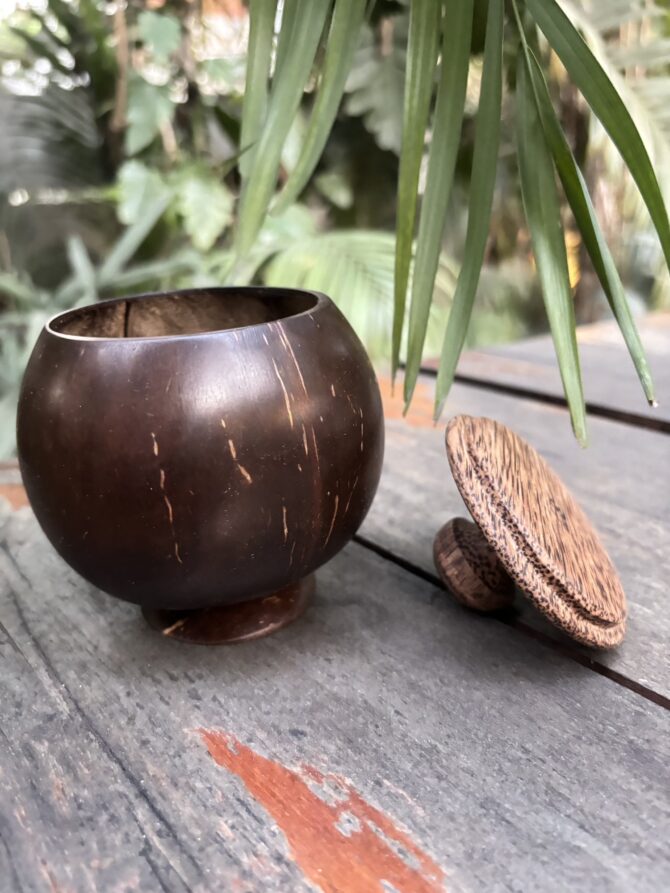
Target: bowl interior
point(183, 313)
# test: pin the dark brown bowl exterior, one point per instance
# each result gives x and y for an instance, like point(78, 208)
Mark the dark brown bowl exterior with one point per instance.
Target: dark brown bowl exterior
point(191, 471)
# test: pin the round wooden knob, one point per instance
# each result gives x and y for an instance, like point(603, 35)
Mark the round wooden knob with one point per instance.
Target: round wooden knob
point(469, 567)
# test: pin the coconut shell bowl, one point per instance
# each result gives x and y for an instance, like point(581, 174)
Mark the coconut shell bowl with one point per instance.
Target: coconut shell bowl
point(201, 453)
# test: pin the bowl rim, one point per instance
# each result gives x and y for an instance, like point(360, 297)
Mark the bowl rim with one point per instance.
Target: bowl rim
point(321, 302)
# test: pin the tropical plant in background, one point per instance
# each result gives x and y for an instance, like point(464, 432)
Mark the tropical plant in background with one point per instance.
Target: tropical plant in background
point(126, 133)
point(135, 115)
point(439, 43)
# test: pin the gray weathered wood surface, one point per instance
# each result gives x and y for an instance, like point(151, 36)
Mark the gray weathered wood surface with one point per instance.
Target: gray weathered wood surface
point(389, 740)
point(610, 380)
point(509, 766)
point(621, 481)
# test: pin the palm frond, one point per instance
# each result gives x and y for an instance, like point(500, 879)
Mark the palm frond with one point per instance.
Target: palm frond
point(356, 269)
point(49, 145)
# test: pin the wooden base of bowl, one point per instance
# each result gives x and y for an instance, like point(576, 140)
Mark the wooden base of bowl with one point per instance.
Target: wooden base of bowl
point(239, 622)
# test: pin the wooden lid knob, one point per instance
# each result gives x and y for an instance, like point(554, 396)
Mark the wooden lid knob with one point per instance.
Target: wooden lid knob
point(470, 568)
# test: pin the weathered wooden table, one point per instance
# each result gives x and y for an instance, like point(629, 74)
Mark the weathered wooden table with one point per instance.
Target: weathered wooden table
point(389, 740)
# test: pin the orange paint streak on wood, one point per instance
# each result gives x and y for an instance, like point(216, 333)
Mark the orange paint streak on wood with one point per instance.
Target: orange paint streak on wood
point(420, 414)
point(14, 494)
point(340, 842)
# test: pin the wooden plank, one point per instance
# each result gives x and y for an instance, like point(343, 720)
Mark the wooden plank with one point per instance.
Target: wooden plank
point(610, 381)
point(11, 488)
point(620, 481)
point(384, 741)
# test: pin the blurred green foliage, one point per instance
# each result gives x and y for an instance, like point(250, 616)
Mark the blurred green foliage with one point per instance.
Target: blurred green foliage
point(118, 173)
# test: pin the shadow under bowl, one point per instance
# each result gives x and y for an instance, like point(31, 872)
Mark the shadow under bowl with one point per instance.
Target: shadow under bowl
point(200, 448)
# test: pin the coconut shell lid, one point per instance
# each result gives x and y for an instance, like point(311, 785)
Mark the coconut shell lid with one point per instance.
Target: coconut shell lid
point(540, 534)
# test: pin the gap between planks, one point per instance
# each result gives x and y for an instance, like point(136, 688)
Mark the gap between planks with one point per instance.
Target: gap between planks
point(563, 648)
point(596, 410)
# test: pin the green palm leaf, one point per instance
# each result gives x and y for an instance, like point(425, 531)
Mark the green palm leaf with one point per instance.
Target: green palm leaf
point(355, 267)
point(540, 200)
point(456, 32)
point(481, 197)
point(585, 217)
point(259, 58)
point(289, 19)
point(305, 29)
point(348, 16)
point(82, 269)
point(421, 57)
point(130, 241)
